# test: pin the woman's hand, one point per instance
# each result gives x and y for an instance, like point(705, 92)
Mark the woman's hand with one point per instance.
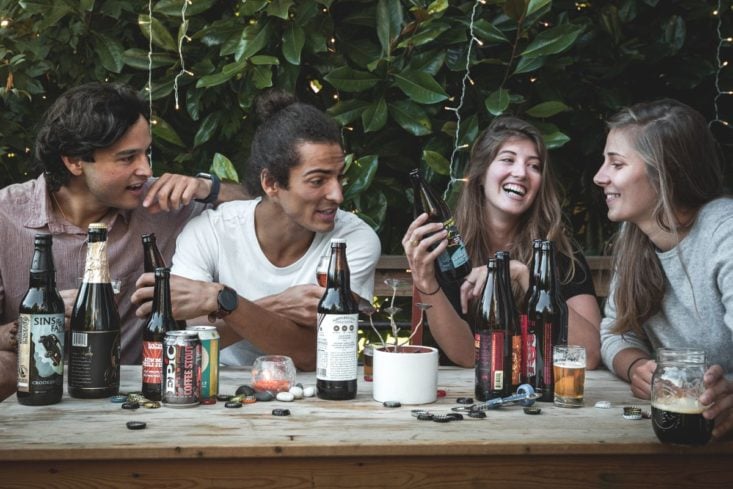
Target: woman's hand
point(719, 395)
point(420, 237)
point(473, 286)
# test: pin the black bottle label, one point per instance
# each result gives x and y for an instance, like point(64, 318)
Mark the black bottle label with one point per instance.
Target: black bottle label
point(40, 352)
point(455, 255)
point(94, 360)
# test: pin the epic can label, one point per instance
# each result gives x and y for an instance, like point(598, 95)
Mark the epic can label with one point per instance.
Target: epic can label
point(181, 369)
point(209, 337)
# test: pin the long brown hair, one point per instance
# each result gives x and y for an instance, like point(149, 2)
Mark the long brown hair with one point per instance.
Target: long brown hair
point(683, 164)
point(543, 220)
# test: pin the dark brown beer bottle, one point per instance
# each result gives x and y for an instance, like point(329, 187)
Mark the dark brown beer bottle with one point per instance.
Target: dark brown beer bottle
point(510, 320)
point(160, 322)
point(492, 340)
point(94, 357)
point(544, 327)
point(453, 264)
point(41, 332)
point(152, 259)
point(534, 273)
point(338, 315)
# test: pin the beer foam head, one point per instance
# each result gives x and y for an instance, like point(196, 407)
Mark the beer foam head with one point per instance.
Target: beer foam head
point(680, 405)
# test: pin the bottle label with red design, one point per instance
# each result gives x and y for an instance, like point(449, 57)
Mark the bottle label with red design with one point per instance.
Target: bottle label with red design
point(152, 362)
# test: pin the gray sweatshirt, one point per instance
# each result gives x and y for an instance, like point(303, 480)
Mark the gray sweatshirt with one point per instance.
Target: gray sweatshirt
point(697, 310)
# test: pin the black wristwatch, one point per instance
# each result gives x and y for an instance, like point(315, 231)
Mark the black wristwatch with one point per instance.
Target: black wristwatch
point(227, 301)
point(215, 187)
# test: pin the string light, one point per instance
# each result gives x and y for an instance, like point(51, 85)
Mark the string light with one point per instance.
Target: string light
point(150, 80)
point(183, 35)
point(721, 64)
point(464, 85)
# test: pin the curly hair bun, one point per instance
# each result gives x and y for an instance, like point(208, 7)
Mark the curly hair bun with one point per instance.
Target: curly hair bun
point(271, 102)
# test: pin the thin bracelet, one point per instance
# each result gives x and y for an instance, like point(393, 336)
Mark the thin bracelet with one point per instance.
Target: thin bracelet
point(425, 293)
point(628, 371)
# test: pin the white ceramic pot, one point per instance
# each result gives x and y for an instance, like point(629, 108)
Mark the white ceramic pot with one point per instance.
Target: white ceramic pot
point(409, 376)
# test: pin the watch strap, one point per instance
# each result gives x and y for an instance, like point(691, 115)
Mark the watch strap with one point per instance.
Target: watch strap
point(215, 187)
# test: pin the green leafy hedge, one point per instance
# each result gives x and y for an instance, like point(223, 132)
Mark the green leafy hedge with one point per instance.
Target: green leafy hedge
point(390, 71)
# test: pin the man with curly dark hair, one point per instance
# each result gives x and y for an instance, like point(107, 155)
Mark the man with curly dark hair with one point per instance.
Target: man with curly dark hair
point(92, 151)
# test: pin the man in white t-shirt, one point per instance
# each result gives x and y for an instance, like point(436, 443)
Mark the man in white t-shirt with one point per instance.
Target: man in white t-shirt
point(251, 265)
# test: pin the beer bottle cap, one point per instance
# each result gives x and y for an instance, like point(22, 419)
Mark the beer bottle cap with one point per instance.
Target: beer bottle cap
point(280, 412)
point(136, 425)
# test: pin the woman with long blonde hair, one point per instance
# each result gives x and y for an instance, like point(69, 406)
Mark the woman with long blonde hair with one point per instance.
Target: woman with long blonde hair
point(509, 199)
point(673, 257)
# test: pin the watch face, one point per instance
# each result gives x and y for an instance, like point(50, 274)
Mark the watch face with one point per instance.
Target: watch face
point(228, 299)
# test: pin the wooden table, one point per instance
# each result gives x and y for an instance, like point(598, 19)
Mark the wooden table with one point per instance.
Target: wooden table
point(360, 443)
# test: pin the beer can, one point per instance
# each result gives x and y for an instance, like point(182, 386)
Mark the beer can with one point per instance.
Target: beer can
point(181, 369)
point(209, 337)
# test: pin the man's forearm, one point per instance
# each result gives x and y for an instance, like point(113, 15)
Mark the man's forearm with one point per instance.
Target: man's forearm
point(8, 373)
point(232, 191)
point(274, 333)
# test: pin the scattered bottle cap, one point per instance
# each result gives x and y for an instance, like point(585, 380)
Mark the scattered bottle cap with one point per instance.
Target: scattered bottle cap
point(465, 400)
point(136, 425)
point(441, 393)
point(477, 414)
point(233, 404)
point(208, 400)
point(603, 405)
point(118, 399)
point(130, 405)
point(280, 412)
point(392, 404)
point(632, 412)
point(532, 410)
point(151, 404)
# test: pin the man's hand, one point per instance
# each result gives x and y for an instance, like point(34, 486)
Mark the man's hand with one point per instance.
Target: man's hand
point(9, 336)
point(298, 303)
point(171, 191)
point(190, 298)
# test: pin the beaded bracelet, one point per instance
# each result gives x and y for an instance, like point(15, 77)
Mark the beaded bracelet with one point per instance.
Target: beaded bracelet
point(425, 293)
point(628, 371)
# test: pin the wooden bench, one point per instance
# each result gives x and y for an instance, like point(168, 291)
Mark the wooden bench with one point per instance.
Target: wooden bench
point(396, 267)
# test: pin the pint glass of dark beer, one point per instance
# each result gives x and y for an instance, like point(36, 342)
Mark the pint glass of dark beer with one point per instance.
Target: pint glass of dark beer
point(676, 387)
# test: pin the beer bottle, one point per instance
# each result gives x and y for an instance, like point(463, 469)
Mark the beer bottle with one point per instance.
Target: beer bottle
point(534, 273)
point(492, 340)
point(152, 259)
point(94, 357)
point(160, 322)
point(453, 264)
point(544, 326)
point(510, 320)
point(337, 331)
point(41, 332)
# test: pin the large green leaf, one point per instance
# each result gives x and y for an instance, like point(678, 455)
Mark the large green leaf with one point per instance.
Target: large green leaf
point(206, 129)
point(347, 111)
point(552, 41)
point(228, 72)
point(293, 41)
point(163, 130)
point(222, 167)
point(161, 37)
point(262, 77)
point(389, 23)
point(360, 175)
point(138, 58)
point(515, 9)
point(411, 117)
point(375, 116)
point(429, 61)
point(528, 65)
point(348, 80)
point(497, 101)
point(547, 109)
point(420, 87)
point(280, 8)
point(110, 53)
point(535, 5)
point(174, 8)
point(675, 33)
point(488, 32)
point(254, 39)
point(437, 162)
point(425, 35)
point(52, 15)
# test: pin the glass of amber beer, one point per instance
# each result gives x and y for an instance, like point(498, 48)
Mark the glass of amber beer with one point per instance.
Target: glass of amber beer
point(322, 270)
point(677, 384)
point(568, 364)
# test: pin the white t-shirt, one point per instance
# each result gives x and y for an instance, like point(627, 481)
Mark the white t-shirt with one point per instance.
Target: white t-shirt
point(221, 246)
